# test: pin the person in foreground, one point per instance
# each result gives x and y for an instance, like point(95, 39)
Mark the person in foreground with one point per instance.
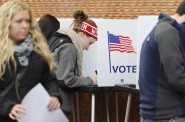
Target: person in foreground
point(23, 48)
point(162, 70)
point(67, 46)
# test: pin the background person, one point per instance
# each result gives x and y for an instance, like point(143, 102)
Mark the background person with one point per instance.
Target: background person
point(67, 46)
point(162, 70)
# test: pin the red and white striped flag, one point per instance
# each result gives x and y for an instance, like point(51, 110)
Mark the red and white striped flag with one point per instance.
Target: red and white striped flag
point(120, 43)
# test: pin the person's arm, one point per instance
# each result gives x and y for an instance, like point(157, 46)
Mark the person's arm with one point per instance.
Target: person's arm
point(51, 85)
point(8, 107)
point(49, 81)
point(5, 106)
point(6, 103)
point(171, 59)
point(66, 66)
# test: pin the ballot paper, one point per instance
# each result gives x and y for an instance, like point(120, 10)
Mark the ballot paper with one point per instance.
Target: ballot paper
point(35, 103)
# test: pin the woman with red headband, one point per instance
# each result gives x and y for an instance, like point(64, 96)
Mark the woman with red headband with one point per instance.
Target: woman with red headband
point(67, 46)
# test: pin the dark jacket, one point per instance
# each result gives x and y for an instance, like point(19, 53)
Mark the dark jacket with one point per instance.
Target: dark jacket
point(65, 93)
point(162, 72)
point(65, 53)
point(36, 72)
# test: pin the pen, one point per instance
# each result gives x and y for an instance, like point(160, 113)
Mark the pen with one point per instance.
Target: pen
point(96, 72)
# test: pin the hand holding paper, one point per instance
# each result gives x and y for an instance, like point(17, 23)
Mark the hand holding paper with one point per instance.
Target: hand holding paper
point(53, 103)
point(36, 105)
point(16, 111)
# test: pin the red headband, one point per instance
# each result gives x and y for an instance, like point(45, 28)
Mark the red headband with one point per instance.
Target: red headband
point(88, 29)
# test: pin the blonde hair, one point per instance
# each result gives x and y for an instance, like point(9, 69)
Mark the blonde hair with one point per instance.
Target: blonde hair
point(7, 11)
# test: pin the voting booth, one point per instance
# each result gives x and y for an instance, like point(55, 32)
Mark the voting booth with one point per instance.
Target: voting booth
point(115, 57)
point(117, 52)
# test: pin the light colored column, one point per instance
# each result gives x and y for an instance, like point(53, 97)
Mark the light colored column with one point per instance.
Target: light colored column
point(93, 107)
point(128, 107)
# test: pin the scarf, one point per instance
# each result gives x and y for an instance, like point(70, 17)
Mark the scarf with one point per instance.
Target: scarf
point(79, 51)
point(23, 50)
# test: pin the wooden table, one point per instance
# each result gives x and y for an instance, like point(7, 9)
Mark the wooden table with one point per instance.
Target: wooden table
point(106, 89)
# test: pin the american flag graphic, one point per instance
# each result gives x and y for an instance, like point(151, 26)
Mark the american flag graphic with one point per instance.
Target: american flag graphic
point(120, 43)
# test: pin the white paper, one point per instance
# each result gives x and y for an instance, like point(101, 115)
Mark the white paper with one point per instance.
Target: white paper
point(36, 102)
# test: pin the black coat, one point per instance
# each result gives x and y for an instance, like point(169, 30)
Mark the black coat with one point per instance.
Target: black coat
point(36, 72)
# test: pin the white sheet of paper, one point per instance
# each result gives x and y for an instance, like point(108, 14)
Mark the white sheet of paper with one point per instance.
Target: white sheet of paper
point(36, 102)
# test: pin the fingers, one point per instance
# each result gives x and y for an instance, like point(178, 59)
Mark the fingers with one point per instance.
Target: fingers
point(53, 103)
point(16, 111)
point(12, 116)
point(19, 109)
point(94, 80)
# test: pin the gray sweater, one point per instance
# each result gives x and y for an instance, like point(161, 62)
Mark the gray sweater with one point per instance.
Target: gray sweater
point(66, 56)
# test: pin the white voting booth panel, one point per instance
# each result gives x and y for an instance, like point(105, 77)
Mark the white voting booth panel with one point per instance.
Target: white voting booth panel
point(144, 25)
point(115, 65)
